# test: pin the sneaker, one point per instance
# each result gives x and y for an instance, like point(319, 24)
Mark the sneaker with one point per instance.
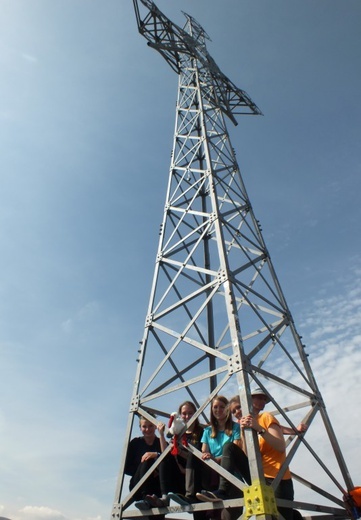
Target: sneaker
point(212, 496)
point(165, 499)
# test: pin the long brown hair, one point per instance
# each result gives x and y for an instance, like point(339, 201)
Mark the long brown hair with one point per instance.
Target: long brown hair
point(197, 429)
point(234, 399)
point(228, 427)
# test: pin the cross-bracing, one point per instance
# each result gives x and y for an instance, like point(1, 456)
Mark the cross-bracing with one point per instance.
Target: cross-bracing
point(218, 321)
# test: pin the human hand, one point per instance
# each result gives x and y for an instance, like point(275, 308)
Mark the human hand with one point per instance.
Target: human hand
point(248, 421)
point(149, 455)
point(206, 455)
point(302, 427)
point(161, 428)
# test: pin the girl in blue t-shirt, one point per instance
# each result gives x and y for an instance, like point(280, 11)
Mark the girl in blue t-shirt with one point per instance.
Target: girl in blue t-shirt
point(221, 430)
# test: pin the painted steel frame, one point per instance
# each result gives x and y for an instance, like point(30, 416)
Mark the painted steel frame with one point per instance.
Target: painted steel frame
point(217, 319)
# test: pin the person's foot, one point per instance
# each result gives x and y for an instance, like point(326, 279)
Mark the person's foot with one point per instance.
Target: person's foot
point(179, 499)
point(143, 505)
point(155, 501)
point(212, 496)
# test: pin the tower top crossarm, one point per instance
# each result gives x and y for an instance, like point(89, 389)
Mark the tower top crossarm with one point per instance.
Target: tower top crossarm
point(171, 41)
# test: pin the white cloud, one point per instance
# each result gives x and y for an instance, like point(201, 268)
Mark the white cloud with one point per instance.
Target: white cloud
point(333, 325)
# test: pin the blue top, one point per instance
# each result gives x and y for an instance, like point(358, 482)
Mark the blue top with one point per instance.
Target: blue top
point(216, 444)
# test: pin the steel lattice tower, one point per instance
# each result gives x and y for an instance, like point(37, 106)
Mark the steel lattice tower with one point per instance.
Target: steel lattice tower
point(217, 320)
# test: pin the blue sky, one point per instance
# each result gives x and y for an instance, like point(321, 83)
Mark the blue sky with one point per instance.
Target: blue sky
point(86, 127)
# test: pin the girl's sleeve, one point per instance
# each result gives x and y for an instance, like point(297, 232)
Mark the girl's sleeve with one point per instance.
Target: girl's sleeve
point(205, 436)
point(268, 419)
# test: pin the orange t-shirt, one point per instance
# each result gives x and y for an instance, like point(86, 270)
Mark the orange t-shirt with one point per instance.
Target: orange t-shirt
point(272, 459)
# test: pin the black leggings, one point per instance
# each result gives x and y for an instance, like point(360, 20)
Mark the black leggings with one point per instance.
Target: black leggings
point(199, 476)
point(171, 477)
point(150, 486)
point(235, 461)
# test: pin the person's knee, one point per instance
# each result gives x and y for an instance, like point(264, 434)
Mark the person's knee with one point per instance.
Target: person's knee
point(228, 449)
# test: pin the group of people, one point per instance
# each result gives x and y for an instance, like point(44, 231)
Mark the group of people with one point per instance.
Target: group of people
point(187, 479)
